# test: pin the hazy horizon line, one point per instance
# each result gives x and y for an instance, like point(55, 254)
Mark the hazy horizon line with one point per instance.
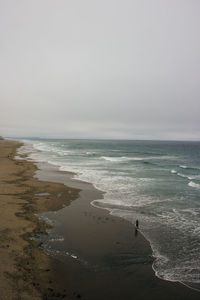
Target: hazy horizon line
point(98, 139)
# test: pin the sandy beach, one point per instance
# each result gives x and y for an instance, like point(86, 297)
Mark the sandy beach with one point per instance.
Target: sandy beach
point(25, 271)
point(116, 262)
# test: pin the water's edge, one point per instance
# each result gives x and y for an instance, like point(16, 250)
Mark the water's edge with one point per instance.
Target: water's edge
point(72, 182)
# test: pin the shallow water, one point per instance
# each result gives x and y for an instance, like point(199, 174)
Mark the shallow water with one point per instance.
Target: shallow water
point(155, 182)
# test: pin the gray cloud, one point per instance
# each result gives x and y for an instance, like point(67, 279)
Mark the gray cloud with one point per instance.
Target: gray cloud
point(100, 69)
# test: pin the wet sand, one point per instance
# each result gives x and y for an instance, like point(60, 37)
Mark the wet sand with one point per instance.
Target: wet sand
point(113, 262)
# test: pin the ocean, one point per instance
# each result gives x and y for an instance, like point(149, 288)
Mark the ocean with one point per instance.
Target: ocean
point(156, 182)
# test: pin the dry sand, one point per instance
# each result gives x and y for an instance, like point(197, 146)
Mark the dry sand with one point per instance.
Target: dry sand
point(25, 271)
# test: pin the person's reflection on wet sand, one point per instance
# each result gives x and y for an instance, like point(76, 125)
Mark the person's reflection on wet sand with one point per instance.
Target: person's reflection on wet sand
point(136, 232)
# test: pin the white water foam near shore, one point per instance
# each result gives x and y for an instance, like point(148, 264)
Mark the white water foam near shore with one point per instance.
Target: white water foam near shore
point(157, 183)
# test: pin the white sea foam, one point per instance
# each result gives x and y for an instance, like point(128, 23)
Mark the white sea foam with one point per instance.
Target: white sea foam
point(193, 211)
point(56, 239)
point(51, 148)
point(19, 157)
point(26, 148)
point(194, 185)
point(184, 176)
point(46, 219)
point(63, 168)
point(189, 167)
point(173, 171)
point(129, 158)
point(115, 159)
point(90, 152)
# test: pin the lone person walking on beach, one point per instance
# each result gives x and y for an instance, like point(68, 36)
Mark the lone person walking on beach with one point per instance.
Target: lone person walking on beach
point(137, 224)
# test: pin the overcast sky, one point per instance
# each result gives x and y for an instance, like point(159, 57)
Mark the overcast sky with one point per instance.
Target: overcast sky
point(127, 69)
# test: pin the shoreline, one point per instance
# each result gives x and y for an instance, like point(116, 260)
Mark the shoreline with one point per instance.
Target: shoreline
point(59, 176)
point(26, 272)
point(115, 238)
